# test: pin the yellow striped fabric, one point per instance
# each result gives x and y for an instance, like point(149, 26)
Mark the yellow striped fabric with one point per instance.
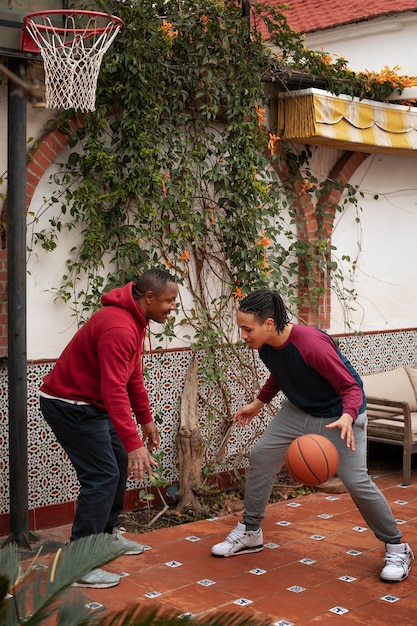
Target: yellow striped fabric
point(318, 117)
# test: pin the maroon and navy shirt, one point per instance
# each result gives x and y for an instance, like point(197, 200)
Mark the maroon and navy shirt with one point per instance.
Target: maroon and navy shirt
point(313, 374)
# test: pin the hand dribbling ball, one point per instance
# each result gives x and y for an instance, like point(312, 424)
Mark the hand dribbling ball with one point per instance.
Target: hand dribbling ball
point(312, 459)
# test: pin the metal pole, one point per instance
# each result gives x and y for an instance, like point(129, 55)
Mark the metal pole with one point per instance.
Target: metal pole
point(16, 288)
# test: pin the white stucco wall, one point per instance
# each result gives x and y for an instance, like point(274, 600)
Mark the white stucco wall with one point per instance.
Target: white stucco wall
point(384, 243)
point(373, 44)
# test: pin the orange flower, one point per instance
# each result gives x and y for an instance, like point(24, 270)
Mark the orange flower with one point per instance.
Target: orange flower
point(260, 113)
point(273, 139)
point(306, 186)
point(164, 189)
point(185, 256)
point(265, 241)
point(238, 293)
point(168, 30)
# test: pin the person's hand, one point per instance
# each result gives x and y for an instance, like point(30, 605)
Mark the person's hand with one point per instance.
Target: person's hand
point(140, 463)
point(151, 436)
point(345, 423)
point(245, 414)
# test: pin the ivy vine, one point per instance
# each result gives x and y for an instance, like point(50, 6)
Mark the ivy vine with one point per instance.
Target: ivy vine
point(173, 169)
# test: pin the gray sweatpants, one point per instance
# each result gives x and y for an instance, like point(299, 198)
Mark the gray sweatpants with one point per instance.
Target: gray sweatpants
point(267, 458)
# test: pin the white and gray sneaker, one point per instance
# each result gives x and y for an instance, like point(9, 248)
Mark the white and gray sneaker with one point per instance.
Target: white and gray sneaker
point(239, 541)
point(131, 547)
point(98, 579)
point(398, 559)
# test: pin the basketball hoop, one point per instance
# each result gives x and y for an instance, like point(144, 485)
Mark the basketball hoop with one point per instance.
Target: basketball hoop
point(72, 53)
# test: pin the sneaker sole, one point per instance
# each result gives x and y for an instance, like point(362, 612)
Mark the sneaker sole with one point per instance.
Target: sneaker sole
point(245, 551)
point(95, 585)
point(393, 580)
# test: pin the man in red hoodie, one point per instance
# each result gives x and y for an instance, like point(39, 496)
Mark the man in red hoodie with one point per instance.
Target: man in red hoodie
point(88, 400)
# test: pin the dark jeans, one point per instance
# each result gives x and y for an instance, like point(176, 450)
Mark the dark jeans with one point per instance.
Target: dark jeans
point(99, 458)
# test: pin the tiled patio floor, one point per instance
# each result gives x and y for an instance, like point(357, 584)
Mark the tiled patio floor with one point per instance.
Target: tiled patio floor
point(320, 564)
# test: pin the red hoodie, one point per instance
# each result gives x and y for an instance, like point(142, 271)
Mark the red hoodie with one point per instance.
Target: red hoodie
point(102, 365)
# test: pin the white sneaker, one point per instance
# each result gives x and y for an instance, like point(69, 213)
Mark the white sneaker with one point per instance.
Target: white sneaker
point(131, 547)
point(239, 541)
point(98, 579)
point(398, 559)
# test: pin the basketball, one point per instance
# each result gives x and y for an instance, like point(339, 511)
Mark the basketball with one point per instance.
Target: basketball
point(312, 459)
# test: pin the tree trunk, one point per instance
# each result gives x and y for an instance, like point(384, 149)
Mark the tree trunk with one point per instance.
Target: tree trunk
point(190, 447)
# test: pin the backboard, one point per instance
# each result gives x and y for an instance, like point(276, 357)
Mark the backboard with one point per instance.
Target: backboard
point(11, 20)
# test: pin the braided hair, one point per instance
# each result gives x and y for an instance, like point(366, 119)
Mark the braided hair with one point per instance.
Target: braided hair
point(265, 303)
point(154, 280)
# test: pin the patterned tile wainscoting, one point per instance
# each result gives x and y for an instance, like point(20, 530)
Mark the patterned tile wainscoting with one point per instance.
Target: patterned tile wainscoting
point(52, 482)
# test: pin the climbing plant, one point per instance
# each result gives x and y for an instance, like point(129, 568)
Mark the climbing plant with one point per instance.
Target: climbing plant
point(175, 169)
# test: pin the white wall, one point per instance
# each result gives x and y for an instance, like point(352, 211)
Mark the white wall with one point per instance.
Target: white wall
point(384, 240)
point(373, 44)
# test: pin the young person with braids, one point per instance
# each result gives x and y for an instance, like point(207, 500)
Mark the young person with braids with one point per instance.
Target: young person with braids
point(324, 395)
point(88, 400)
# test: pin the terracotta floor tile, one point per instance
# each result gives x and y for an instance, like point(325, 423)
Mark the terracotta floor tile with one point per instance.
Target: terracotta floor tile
point(381, 613)
point(317, 588)
point(290, 606)
point(198, 599)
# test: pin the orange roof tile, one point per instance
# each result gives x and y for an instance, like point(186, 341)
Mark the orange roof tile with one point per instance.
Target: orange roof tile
point(307, 16)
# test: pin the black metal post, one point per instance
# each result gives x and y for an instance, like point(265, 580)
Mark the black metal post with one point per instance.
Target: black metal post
point(16, 287)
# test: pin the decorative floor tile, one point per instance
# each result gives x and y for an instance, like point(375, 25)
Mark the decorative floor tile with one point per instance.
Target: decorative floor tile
point(401, 502)
point(390, 599)
point(400, 521)
point(271, 545)
point(339, 610)
point(123, 574)
point(193, 538)
point(308, 561)
point(283, 622)
point(152, 594)
point(257, 571)
point(283, 523)
point(243, 602)
point(94, 605)
point(294, 504)
point(296, 589)
point(206, 582)
point(173, 564)
point(325, 516)
point(347, 579)
point(332, 498)
point(359, 529)
point(186, 615)
point(354, 552)
point(317, 537)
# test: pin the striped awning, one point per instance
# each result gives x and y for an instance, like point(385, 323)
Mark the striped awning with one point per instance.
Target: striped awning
point(317, 117)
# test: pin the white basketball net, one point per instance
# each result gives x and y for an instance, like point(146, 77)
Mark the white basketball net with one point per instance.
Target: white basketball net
point(72, 56)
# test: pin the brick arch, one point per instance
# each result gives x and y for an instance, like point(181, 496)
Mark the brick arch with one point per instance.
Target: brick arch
point(44, 155)
point(309, 226)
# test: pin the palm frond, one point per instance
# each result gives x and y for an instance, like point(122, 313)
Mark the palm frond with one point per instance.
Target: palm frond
point(36, 598)
point(135, 615)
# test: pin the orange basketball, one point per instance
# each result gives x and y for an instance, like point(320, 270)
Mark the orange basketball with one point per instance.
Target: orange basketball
point(312, 459)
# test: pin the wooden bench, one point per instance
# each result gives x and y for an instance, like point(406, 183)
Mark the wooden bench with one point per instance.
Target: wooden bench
point(392, 411)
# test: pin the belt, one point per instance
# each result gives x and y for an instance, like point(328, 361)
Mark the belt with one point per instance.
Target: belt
point(46, 395)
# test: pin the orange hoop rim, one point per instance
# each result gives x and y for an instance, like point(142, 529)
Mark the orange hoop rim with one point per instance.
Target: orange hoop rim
point(116, 21)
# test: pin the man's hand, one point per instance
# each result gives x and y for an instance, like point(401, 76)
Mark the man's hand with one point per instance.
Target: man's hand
point(345, 423)
point(151, 436)
point(140, 463)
